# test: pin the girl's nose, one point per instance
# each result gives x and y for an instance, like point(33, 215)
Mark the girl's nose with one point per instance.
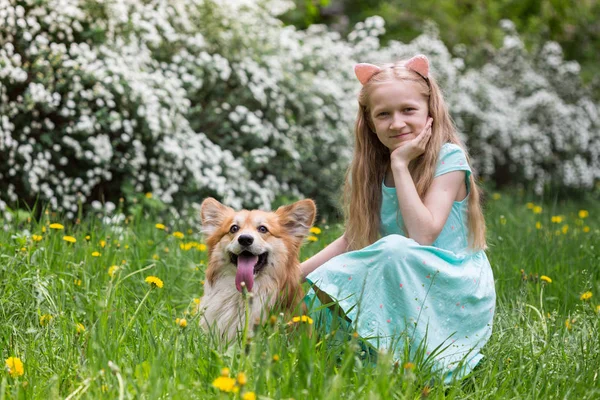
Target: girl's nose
point(397, 122)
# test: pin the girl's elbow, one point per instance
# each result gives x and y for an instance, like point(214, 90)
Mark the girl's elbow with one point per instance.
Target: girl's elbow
point(427, 239)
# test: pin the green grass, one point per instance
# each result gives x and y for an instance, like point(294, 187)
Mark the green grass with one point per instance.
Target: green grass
point(121, 353)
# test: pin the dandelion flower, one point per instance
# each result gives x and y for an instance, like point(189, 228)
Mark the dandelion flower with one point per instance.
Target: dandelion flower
point(242, 379)
point(556, 219)
point(79, 327)
point(315, 230)
point(586, 296)
point(95, 254)
point(225, 372)
point(276, 357)
point(538, 225)
point(14, 366)
point(583, 214)
point(56, 226)
point(249, 396)
point(37, 238)
point(546, 279)
point(225, 384)
point(496, 196)
point(537, 210)
point(568, 324)
point(530, 206)
point(69, 239)
point(112, 270)
point(409, 365)
point(154, 281)
point(178, 235)
point(102, 243)
point(565, 229)
point(155, 257)
point(303, 318)
point(181, 322)
point(586, 229)
point(196, 300)
point(312, 238)
point(201, 247)
point(502, 220)
point(45, 319)
point(88, 237)
point(160, 226)
point(148, 195)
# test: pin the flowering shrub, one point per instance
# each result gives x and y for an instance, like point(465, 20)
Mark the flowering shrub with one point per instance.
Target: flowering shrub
point(195, 98)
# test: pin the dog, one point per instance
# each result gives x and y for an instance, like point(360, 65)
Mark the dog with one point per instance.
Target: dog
point(255, 251)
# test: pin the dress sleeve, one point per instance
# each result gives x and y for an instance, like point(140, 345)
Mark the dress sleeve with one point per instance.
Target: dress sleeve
point(452, 158)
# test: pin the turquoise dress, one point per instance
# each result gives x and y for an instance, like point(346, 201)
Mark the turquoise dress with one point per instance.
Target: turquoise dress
point(396, 291)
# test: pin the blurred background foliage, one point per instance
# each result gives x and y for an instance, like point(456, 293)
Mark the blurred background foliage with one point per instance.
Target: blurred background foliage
point(575, 25)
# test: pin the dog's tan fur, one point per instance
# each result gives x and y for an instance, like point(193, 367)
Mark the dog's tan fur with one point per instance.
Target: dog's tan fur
point(276, 285)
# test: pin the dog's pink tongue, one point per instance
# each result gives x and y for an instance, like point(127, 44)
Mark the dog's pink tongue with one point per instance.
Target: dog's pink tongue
point(245, 271)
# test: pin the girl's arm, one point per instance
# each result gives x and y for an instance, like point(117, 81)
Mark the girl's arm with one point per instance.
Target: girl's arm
point(425, 219)
point(337, 247)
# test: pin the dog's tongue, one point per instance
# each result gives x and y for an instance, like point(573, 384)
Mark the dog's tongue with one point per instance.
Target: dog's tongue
point(245, 271)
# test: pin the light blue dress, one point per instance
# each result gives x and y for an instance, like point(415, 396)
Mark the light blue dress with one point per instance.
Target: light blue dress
point(396, 291)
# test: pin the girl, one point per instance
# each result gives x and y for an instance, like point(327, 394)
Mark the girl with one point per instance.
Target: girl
point(427, 281)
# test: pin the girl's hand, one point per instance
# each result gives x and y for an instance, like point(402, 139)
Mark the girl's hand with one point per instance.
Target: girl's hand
point(413, 148)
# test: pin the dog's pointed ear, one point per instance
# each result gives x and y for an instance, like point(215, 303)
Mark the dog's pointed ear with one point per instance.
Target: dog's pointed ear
point(212, 215)
point(298, 218)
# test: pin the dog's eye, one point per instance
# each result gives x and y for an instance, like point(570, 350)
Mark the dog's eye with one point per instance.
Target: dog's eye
point(263, 229)
point(234, 229)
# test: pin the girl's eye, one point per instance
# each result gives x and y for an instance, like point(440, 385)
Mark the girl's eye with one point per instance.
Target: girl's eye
point(234, 229)
point(382, 114)
point(263, 229)
point(409, 109)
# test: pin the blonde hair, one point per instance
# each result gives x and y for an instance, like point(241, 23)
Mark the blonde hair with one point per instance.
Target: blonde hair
point(364, 177)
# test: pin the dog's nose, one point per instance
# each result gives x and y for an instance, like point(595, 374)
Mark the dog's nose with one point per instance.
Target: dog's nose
point(245, 240)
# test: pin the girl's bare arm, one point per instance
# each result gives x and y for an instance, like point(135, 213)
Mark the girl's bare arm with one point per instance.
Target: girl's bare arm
point(337, 247)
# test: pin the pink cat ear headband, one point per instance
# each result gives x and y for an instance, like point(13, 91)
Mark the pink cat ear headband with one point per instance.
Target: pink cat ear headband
point(419, 64)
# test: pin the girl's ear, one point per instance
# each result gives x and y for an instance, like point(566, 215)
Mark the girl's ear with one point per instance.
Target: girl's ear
point(364, 72)
point(212, 215)
point(419, 64)
point(297, 218)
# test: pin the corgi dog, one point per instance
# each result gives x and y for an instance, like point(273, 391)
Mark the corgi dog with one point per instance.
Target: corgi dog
point(255, 251)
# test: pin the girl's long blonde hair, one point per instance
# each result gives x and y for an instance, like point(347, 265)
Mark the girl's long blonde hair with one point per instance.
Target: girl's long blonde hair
point(364, 177)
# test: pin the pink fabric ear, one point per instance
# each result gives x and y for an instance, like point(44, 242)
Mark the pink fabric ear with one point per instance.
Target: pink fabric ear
point(419, 64)
point(364, 72)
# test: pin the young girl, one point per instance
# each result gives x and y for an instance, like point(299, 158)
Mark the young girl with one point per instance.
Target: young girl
point(410, 267)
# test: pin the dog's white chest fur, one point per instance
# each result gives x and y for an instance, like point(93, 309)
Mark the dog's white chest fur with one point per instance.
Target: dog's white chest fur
point(222, 307)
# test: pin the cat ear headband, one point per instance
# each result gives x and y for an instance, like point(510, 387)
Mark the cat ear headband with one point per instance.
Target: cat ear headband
point(418, 64)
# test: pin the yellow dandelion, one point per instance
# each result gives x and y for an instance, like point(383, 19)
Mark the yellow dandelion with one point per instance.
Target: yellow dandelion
point(95, 254)
point(586, 296)
point(160, 226)
point(77, 282)
point(496, 196)
point(113, 270)
point(148, 195)
point(178, 235)
point(43, 229)
point(242, 379)
point(583, 214)
point(276, 357)
point(69, 239)
point(189, 231)
point(56, 226)
point(181, 322)
point(201, 247)
point(409, 365)
point(155, 257)
point(225, 384)
point(45, 319)
point(312, 238)
point(196, 300)
point(302, 318)
point(249, 396)
point(546, 279)
point(79, 327)
point(598, 308)
point(565, 229)
point(537, 210)
point(37, 238)
point(530, 206)
point(225, 372)
point(315, 230)
point(154, 281)
point(14, 366)
point(556, 219)
point(88, 237)
point(586, 229)
point(102, 243)
point(502, 220)
point(538, 225)
point(568, 324)
point(126, 247)
point(23, 248)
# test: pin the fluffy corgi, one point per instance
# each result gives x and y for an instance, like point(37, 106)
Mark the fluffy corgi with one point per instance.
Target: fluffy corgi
point(257, 248)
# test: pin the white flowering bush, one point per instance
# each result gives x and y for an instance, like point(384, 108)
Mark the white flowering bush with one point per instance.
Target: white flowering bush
point(198, 97)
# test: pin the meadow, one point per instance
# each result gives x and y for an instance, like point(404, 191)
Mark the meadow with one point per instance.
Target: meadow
point(105, 308)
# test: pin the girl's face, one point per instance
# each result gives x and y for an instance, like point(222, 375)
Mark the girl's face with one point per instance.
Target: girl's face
point(399, 112)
